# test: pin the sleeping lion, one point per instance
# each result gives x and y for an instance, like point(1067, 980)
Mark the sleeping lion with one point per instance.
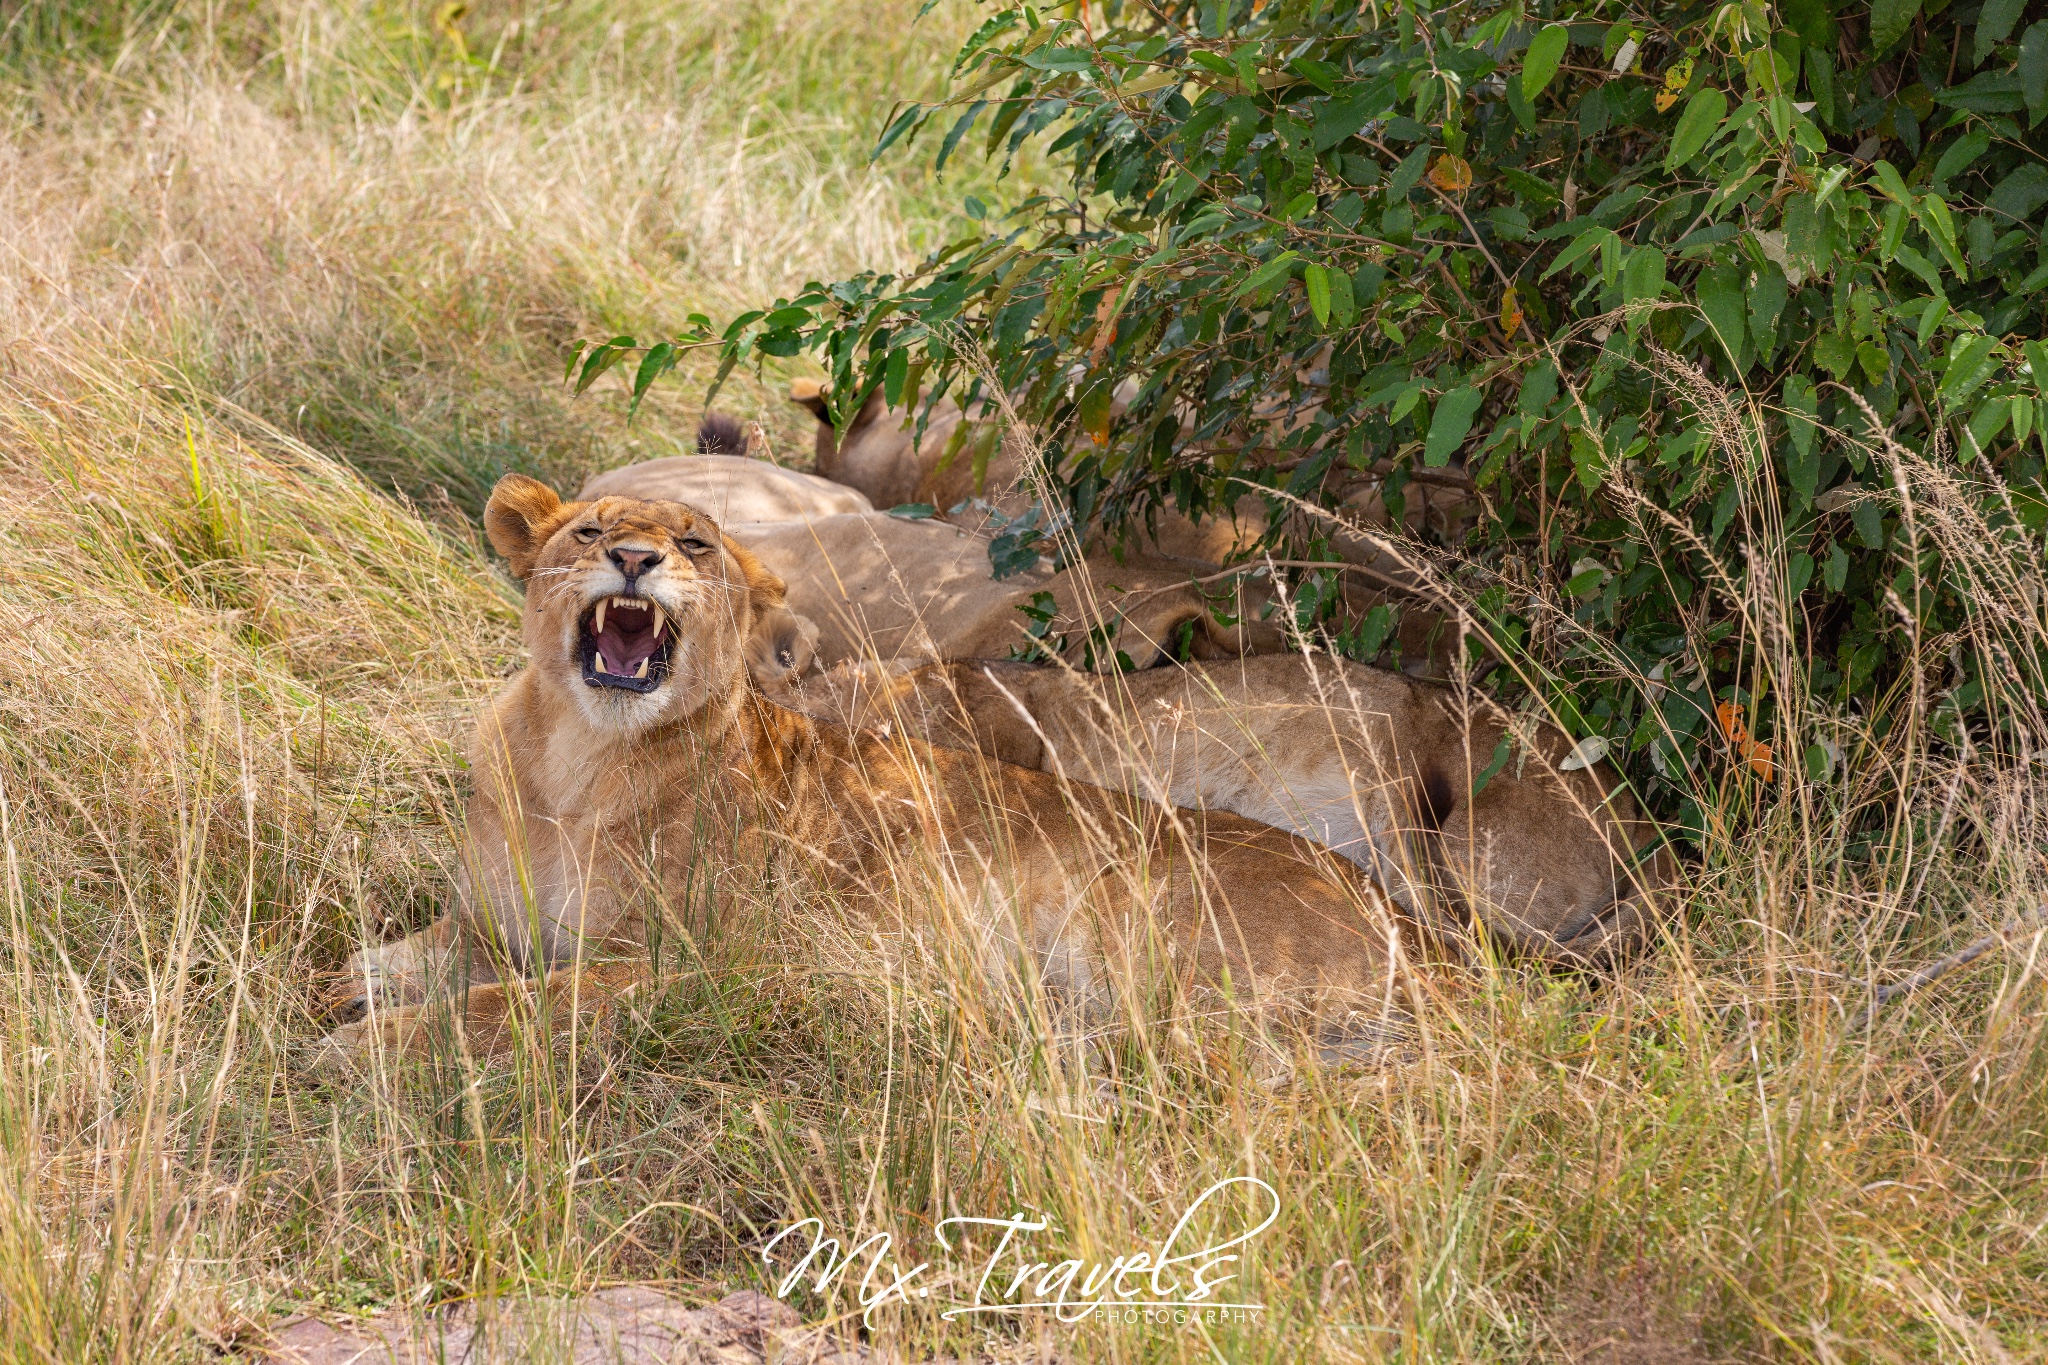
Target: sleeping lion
point(1434, 798)
point(634, 751)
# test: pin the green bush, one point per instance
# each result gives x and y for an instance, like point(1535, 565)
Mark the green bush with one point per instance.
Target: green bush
point(1691, 297)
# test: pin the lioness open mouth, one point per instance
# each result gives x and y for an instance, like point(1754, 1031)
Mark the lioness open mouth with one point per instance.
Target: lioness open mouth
point(627, 644)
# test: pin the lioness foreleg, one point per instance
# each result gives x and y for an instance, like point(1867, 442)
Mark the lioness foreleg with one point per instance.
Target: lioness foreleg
point(485, 1020)
point(412, 970)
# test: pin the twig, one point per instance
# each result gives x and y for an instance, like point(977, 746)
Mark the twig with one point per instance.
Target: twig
point(1934, 971)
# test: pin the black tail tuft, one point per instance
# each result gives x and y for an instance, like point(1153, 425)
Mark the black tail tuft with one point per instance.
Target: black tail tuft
point(719, 434)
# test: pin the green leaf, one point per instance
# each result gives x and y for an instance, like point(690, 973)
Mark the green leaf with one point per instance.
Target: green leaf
point(2037, 363)
point(1365, 285)
point(1889, 21)
point(1895, 220)
point(1836, 354)
point(1970, 362)
point(1591, 237)
point(1317, 280)
point(1703, 114)
point(2033, 69)
point(1820, 83)
point(1501, 750)
point(1540, 63)
point(602, 357)
point(653, 365)
point(1934, 216)
point(726, 363)
point(895, 373)
point(2020, 194)
point(1321, 75)
point(1589, 461)
point(1809, 240)
point(902, 124)
point(1811, 20)
point(1519, 106)
point(1989, 92)
point(1642, 278)
point(1994, 22)
point(1343, 308)
point(1450, 424)
point(1338, 119)
point(1960, 154)
point(1408, 174)
point(1836, 574)
point(1919, 265)
point(1801, 468)
point(1269, 275)
point(1989, 420)
point(1930, 319)
point(1720, 297)
point(1539, 387)
point(1799, 572)
point(1889, 181)
point(1766, 300)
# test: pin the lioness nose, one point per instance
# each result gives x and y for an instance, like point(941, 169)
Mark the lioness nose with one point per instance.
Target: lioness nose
point(633, 563)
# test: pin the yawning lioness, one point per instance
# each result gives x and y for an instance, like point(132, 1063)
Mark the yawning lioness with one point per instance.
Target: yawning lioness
point(634, 749)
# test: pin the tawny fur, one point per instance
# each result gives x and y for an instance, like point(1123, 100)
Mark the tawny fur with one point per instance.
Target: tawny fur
point(727, 488)
point(585, 799)
point(884, 455)
point(881, 587)
point(1378, 766)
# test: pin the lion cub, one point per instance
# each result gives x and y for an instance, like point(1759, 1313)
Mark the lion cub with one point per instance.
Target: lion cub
point(634, 747)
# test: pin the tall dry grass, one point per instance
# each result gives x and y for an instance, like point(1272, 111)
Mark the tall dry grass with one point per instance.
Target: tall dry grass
point(330, 217)
point(267, 263)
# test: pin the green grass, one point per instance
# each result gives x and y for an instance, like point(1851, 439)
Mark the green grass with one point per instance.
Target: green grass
point(267, 267)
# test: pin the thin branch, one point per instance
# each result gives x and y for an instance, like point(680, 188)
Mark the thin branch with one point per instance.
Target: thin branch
point(1934, 971)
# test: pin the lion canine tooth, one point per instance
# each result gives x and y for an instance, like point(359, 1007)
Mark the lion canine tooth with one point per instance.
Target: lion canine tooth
point(658, 620)
point(641, 671)
point(600, 662)
point(600, 617)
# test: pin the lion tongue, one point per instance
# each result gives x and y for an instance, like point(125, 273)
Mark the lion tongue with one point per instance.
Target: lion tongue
point(627, 640)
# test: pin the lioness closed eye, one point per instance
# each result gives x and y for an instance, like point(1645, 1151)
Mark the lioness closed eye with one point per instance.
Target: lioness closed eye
point(634, 745)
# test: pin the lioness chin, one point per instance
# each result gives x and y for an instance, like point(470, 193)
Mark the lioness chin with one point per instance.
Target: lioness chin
point(634, 746)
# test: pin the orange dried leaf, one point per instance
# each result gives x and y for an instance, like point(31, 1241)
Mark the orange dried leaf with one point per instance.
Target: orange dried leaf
point(1759, 758)
point(1451, 174)
point(1732, 728)
point(1510, 312)
point(1665, 99)
point(1105, 329)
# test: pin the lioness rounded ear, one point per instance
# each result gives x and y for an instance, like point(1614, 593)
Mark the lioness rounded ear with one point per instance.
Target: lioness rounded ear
point(782, 647)
point(763, 587)
point(809, 394)
point(519, 518)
